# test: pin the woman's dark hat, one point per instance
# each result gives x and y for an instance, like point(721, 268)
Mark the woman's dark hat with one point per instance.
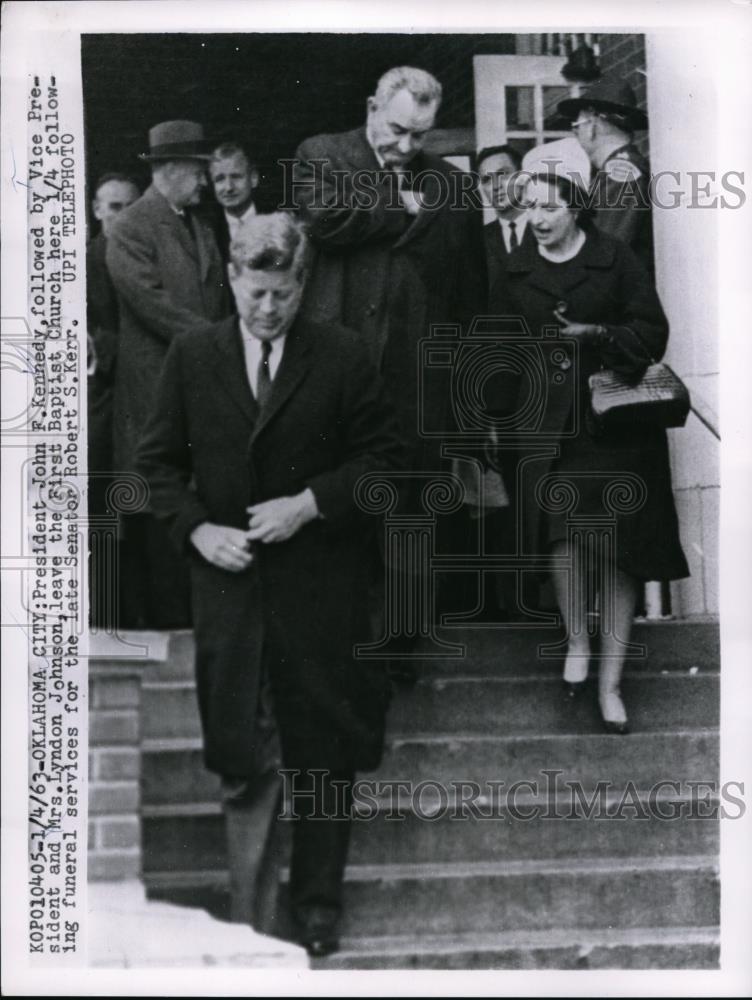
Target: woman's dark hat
point(178, 140)
point(609, 96)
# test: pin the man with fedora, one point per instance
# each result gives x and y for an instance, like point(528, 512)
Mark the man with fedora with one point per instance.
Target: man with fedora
point(604, 121)
point(167, 271)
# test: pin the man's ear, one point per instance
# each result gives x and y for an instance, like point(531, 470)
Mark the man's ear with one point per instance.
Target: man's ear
point(95, 209)
point(255, 178)
point(372, 104)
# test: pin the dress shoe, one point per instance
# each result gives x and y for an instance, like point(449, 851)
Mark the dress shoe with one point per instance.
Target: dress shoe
point(613, 713)
point(320, 947)
point(317, 931)
point(573, 689)
point(576, 668)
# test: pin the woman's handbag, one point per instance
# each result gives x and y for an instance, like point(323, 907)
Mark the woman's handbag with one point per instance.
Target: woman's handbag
point(658, 399)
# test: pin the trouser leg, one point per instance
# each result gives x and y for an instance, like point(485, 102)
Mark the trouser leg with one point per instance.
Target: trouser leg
point(321, 837)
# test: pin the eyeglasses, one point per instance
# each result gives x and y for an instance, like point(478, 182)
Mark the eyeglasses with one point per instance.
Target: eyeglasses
point(575, 125)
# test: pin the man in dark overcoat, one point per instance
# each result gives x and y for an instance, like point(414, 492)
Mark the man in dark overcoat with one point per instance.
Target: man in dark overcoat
point(399, 247)
point(113, 192)
point(167, 271)
point(397, 232)
point(262, 427)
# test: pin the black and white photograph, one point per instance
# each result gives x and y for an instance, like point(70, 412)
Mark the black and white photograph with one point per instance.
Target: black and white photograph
point(376, 556)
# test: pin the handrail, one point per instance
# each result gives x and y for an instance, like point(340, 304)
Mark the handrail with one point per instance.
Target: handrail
point(706, 417)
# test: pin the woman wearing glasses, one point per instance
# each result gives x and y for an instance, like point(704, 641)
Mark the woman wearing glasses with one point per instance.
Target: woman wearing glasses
point(592, 287)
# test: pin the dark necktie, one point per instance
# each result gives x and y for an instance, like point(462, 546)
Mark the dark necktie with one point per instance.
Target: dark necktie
point(185, 218)
point(513, 241)
point(263, 375)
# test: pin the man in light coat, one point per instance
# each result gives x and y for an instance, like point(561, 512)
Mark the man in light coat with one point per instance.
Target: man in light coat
point(166, 268)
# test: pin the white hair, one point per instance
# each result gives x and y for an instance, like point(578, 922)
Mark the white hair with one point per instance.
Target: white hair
point(425, 88)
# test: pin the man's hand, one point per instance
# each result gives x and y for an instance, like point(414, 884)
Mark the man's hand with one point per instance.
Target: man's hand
point(411, 201)
point(222, 546)
point(279, 519)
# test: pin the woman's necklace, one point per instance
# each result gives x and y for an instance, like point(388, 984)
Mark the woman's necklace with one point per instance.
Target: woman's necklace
point(568, 254)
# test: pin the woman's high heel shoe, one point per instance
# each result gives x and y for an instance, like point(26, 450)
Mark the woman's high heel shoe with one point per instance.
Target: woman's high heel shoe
point(575, 674)
point(614, 714)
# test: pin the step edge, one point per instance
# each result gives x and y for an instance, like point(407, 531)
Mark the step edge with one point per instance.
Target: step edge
point(181, 743)
point(373, 945)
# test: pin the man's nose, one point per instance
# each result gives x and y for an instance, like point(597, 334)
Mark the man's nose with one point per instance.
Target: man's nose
point(267, 303)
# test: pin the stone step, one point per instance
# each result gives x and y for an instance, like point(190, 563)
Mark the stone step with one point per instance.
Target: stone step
point(569, 948)
point(173, 769)
point(193, 837)
point(643, 758)
point(530, 895)
point(508, 705)
point(676, 644)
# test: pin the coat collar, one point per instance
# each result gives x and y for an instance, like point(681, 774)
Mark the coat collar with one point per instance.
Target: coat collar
point(229, 366)
point(363, 157)
point(169, 219)
point(596, 254)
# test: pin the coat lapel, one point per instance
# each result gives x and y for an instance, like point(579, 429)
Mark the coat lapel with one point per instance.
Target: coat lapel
point(434, 193)
point(292, 369)
point(229, 368)
point(170, 223)
point(528, 262)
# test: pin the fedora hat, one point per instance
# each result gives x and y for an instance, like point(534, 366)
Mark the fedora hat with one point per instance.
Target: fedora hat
point(608, 96)
point(177, 140)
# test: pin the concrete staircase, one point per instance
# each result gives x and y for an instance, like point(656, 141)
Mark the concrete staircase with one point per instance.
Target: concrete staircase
point(435, 884)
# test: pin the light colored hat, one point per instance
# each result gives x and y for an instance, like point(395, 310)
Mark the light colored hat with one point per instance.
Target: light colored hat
point(564, 158)
point(177, 140)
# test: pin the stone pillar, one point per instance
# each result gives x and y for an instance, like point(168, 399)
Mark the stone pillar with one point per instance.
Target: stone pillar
point(683, 114)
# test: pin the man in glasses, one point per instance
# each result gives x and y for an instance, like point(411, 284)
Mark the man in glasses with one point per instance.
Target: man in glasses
point(604, 121)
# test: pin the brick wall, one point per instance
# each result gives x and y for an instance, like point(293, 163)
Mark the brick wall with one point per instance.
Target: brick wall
point(624, 56)
point(114, 772)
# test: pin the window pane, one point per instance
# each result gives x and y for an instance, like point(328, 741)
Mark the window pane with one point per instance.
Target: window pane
point(551, 98)
point(520, 108)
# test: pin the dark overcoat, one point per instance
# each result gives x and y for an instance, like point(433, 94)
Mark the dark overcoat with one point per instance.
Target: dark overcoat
point(605, 284)
point(167, 281)
point(385, 273)
point(207, 455)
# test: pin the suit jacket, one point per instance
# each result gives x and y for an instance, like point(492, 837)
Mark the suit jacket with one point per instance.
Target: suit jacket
point(167, 283)
point(497, 258)
point(383, 272)
point(207, 455)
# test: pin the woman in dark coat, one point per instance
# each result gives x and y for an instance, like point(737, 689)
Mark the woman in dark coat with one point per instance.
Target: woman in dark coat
point(593, 288)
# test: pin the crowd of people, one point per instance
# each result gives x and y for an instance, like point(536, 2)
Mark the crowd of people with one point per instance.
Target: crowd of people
point(253, 366)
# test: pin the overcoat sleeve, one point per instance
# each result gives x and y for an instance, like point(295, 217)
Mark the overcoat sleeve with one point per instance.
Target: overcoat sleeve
point(135, 272)
point(164, 456)
point(372, 442)
point(345, 207)
point(640, 336)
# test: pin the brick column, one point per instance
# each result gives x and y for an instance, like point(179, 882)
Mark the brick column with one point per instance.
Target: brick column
point(114, 770)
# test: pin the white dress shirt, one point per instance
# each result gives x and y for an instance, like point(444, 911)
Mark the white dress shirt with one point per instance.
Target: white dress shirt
point(252, 350)
point(519, 228)
point(234, 222)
